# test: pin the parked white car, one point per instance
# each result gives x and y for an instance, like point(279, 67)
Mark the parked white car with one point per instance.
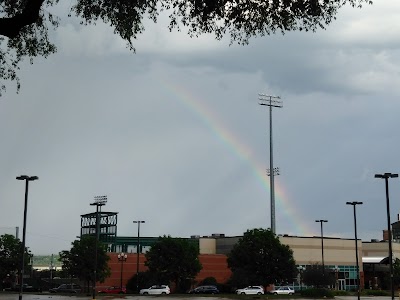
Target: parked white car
point(283, 290)
point(156, 290)
point(251, 290)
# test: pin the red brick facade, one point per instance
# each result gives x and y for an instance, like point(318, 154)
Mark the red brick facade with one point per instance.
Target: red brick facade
point(214, 265)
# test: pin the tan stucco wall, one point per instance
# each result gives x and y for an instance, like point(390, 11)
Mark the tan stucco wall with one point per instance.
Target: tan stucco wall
point(380, 249)
point(307, 250)
point(208, 245)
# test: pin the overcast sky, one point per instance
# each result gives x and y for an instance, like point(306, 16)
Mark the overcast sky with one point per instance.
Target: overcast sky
point(174, 134)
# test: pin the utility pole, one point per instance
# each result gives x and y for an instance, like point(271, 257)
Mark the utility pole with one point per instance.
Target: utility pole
point(271, 101)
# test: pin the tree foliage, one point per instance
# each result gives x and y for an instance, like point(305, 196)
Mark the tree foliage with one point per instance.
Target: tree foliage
point(174, 259)
point(396, 272)
point(10, 257)
point(209, 281)
point(318, 276)
point(259, 258)
point(79, 262)
point(24, 24)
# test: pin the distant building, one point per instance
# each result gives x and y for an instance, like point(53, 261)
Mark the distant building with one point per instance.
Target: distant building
point(339, 254)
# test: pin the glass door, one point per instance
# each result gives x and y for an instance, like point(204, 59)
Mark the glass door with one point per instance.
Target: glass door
point(342, 284)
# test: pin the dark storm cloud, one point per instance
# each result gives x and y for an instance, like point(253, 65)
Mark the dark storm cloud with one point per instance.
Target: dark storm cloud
point(96, 119)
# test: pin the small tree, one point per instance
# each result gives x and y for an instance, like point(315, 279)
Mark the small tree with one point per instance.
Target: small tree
point(317, 276)
point(175, 260)
point(259, 258)
point(79, 262)
point(10, 258)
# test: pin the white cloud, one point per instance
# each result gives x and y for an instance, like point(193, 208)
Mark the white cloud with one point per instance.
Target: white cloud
point(368, 27)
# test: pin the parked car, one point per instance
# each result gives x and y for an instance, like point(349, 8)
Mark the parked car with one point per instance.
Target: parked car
point(113, 290)
point(205, 289)
point(283, 290)
point(251, 290)
point(67, 288)
point(156, 290)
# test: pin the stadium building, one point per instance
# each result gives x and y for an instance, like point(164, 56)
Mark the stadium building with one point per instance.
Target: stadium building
point(338, 254)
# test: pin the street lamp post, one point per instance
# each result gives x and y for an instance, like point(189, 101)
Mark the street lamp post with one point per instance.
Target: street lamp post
point(137, 253)
point(51, 271)
point(122, 258)
point(322, 244)
point(354, 203)
point(99, 201)
point(386, 176)
point(22, 270)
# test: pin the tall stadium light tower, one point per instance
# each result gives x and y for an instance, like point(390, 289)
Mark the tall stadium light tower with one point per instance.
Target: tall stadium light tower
point(99, 201)
point(271, 101)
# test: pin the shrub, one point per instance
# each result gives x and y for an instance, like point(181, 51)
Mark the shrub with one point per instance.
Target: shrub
point(209, 281)
point(225, 288)
point(317, 293)
point(341, 293)
point(375, 293)
point(146, 279)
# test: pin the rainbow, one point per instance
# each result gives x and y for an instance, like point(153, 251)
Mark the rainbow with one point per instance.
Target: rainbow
point(242, 151)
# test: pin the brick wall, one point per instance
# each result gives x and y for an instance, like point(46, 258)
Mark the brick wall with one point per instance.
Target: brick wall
point(214, 265)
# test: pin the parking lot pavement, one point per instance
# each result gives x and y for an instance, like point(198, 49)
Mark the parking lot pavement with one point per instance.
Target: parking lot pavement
point(47, 296)
point(15, 296)
point(44, 296)
point(365, 297)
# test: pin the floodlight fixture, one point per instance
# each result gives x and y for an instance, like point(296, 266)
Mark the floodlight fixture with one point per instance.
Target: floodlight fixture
point(99, 200)
point(276, 171)
point(269, 100)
